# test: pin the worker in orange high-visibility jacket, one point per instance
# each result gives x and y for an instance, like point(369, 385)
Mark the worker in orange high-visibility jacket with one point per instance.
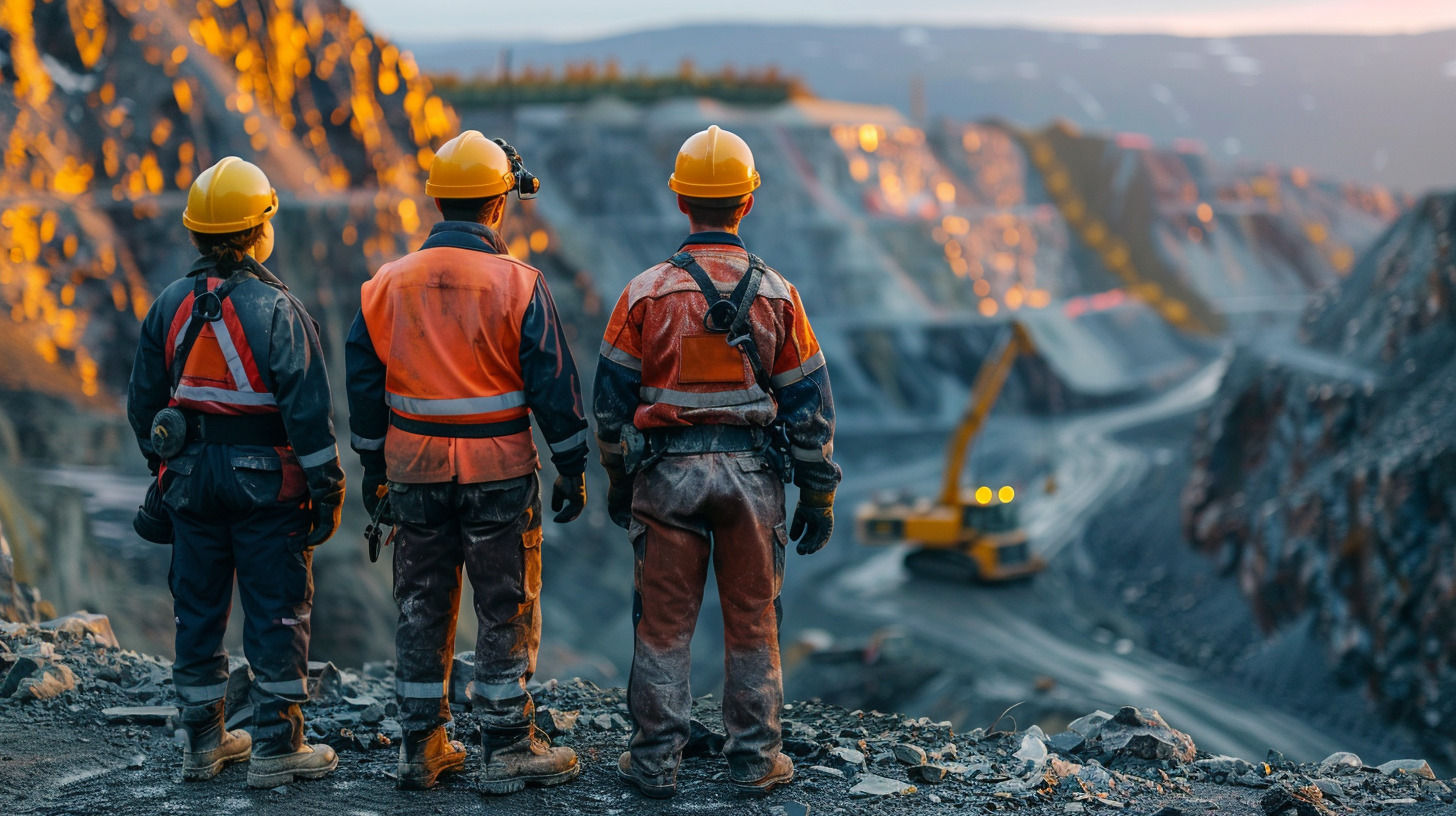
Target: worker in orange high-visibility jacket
point(710, 385)
point(231, 406)
point(455, 346)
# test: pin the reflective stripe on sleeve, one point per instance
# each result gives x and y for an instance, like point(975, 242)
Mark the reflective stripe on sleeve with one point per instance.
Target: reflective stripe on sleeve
point(620, 357)
point(713, 399)
point(322, 457)
point(812, 454)
point(360, 443)
point(202, 694)
point(465, 406)
point(799, 372)
point(508, 690)
point(576, 440)
point(420, 691)
point(225, 396)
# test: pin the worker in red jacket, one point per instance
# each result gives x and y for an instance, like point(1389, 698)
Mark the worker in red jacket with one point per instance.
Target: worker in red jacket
point(455, 346)
point(710, 391)
point(231, 406)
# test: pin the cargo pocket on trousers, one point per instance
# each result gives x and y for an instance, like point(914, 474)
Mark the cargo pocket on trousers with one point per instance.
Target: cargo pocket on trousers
point(780, 545)
point(260, 478)
point(531, 563)
point(177, 484)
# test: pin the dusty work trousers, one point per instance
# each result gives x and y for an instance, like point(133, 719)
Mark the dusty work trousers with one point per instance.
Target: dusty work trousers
point(235, 511)
point(688, 511)
point(493, 529)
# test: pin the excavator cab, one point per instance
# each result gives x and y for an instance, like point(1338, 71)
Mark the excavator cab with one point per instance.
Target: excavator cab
point(963, 535)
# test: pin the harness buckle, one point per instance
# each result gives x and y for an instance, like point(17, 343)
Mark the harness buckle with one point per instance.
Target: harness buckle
point(207, 306)
point(720, 316)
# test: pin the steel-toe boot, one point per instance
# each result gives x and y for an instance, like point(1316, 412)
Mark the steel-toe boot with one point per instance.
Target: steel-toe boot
point(425, 756)
point(780, 773)
point(654, 787)
point(517, 757)
point(308, 762)
point(210, 747)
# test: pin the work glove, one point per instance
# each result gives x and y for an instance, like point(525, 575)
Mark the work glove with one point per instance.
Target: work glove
point(568, 497)
point(813, 521)
point(619, 501)
point(326, 501)
point(376, 486)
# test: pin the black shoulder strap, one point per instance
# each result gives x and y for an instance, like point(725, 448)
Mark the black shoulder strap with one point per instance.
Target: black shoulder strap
point(731, 315)
point(206, 308)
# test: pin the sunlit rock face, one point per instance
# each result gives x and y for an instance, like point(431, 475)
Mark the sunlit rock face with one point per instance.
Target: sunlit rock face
point(1326, 478)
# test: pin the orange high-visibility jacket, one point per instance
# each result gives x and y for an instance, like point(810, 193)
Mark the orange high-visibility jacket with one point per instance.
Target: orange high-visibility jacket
point(455, 345)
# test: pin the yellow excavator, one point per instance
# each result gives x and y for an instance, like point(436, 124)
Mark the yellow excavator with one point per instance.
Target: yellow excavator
point(964, 534)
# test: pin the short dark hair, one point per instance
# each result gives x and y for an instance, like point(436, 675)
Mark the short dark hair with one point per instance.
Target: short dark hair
point(716, 212)
point(466, 209)
point(227, 247)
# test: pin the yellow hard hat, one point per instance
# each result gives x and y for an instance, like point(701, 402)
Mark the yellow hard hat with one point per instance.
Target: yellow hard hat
point(714, 163)
point(230, 196)
point(469, 166)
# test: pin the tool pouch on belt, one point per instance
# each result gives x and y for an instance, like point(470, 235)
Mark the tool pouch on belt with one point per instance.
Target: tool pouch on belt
point(634, 450)
point(731, 317)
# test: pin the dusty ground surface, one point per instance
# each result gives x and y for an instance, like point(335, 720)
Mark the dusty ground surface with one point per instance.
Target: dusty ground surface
point(63, 752)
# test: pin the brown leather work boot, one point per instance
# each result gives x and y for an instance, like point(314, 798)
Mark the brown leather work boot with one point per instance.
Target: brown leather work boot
point(520, 757)
point(781, 773)
point(210, 747)
point(308, 762)
point(425, 756)
point(651, 787)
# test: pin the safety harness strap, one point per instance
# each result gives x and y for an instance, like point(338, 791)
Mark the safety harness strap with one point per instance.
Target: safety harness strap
point(206, 308)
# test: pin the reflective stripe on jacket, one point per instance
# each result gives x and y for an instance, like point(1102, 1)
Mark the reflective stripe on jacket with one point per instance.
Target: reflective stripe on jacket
point(461, 334)
point(660, 368)
point(262, 357)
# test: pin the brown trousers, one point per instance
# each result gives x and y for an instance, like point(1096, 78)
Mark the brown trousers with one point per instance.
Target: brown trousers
point(727, 509)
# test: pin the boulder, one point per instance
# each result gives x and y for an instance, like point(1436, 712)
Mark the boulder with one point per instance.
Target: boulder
point(1139, 733)
point(1407, 767)
point(929, 774)
point(907, 754)
point(875, 785)
point(1341, 762)
point(80, 625)
point(51, 682)
point(1284, 800)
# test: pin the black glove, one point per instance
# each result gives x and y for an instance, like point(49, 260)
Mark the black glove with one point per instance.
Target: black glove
point(376, 486)
point(569, 492)
point(813, 521)
point(152, 522)
point(619, 502)
point(326, 494)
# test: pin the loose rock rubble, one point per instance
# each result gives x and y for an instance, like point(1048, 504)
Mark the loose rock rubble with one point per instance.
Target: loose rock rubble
point(66, 683)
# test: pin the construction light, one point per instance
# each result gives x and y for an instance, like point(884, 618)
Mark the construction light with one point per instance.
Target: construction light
point(1006, 494)
point(983, 495)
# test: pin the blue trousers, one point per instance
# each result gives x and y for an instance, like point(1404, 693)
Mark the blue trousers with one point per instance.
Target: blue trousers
point(242, 511)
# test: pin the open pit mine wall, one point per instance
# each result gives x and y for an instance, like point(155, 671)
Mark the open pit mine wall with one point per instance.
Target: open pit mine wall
point(1327, 480)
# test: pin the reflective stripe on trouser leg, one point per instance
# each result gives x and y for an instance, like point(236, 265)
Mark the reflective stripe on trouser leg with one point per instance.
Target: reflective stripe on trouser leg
point(500, 524)
point(201, 695)
point(427, 556)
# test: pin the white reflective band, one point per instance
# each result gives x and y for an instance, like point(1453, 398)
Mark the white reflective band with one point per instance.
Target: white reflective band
point(508, 690)
point(230, 353)
point(297, 687)
point(812, 454)
point(620, 357)
point(182, 333)
point(456, 407)
point(360, 443)
point(714, 399)
point(576, 440)
point(317, 458)
point(422, 691)
point(799, 372)
point(223, 395)
point(202, 694)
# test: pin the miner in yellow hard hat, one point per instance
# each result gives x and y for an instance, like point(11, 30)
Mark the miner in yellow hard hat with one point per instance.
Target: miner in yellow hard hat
point(231, 406)
point(711, 394)
point(455, 347)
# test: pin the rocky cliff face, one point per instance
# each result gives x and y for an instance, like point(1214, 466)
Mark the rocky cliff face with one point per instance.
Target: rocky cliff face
point(1327, 473)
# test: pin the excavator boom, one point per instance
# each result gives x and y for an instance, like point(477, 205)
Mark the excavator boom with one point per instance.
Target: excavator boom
point(984, 392)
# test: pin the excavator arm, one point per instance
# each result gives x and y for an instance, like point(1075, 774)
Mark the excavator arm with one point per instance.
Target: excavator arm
point(984, 392)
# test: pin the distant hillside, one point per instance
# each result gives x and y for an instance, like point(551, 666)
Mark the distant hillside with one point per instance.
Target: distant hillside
point(1368, 109)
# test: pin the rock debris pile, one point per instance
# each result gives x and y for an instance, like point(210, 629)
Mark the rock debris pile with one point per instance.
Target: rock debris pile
point(67, 681)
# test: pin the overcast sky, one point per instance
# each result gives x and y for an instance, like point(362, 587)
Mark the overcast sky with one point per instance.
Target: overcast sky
point(587, 19)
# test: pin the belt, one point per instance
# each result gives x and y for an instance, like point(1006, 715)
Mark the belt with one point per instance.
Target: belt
point(693, 439)
point(230, 429)
point(464, 430)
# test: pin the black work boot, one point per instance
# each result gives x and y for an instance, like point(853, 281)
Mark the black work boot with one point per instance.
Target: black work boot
point(282, 755)
point(517, 757)
point(661, 786)
point(210, 747)
point(425, 756)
